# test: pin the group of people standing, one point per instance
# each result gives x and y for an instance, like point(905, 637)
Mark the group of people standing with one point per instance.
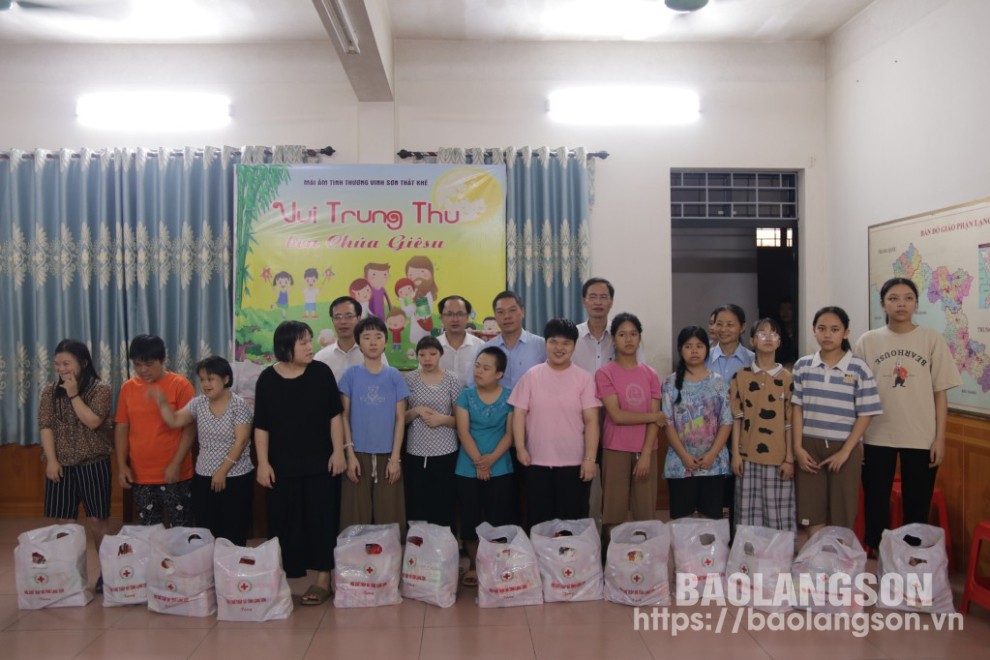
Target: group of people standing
point(510, 430)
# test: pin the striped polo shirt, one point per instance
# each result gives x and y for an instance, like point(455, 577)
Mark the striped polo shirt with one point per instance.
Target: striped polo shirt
point(831, 398)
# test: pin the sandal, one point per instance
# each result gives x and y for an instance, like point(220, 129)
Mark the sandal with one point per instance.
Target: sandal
point(470, 579)
point(315, 595)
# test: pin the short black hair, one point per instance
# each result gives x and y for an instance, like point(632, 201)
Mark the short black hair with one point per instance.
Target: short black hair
point(370, 323)
point(560, 328)
point(217, 366)
point(501, 361)
point(311, 272)
point(429, 342)
point(146, 348)
point(345, 299)
point(286, 335)
point(508, 294)
point(443, 301)
point(597, 280)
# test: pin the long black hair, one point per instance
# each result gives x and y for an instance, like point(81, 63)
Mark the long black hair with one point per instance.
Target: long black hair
point(685, 335)
point(87, 373)
point(841, 313)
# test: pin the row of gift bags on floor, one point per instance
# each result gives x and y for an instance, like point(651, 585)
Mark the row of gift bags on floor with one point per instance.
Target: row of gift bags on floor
point(185, 571)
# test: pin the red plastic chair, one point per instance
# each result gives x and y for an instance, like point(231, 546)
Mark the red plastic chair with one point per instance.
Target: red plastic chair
point(938, 501)
point(977, 587)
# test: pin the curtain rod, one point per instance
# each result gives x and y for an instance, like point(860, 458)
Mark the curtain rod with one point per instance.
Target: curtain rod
point(325, 151)
point(420, 155)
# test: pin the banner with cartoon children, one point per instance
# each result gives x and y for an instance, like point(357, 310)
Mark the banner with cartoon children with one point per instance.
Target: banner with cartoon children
point(398, 238)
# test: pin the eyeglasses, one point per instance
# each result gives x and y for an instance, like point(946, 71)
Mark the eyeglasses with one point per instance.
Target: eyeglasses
point(767, 335)
point(344, 317)
point(595, 297)
point(455, 315)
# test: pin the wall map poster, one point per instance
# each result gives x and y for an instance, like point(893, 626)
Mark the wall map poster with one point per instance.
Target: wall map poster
point(947, 255)
point(398, 238)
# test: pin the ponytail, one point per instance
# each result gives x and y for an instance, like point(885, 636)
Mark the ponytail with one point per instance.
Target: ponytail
point(679, 379)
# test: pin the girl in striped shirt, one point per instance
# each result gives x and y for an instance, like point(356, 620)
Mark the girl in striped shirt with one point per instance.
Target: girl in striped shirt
point(835, 397)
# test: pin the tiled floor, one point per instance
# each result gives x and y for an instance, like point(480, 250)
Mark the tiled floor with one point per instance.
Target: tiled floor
point(574, 631)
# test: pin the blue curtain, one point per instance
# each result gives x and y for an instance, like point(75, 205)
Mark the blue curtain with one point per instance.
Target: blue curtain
point(105, 245)
point(548, 207)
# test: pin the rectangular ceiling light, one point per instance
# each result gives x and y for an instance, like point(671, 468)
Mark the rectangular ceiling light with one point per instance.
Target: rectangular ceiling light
point(623, 106)
point(153, 111)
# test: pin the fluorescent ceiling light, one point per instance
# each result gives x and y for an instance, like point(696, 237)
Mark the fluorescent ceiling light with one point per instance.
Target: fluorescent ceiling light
point(617, 106)
point(153, 111)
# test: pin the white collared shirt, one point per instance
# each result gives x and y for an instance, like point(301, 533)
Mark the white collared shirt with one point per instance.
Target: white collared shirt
point(592, 354)
point(339, 360)
point(460, 360)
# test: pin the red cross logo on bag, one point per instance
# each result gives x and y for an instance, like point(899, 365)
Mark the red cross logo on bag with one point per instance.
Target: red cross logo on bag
point(369, 570)
point(568, 572)
point(744, 569)
point(41, 578)
point(707, 561)
point(636, 578)
point(244, 586)
point(170, 586)
point(506, 576)
point(411, 561)
point(126, 572)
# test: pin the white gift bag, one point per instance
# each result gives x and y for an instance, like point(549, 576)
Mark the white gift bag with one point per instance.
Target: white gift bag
point(367, 559)
point(180, 573)
point(508, 572)
point(569, 554)
point(637, 566)
point(250, 582)
point(124, 561)
point(915, 553)
point(759, 558)
point(50, 568)
point(701, 548)
point(825, 571)
point(430, 564)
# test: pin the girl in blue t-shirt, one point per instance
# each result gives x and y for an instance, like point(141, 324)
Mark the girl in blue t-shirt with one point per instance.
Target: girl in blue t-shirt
point(485, 487)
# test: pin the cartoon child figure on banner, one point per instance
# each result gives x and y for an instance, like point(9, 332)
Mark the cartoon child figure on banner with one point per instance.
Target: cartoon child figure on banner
point(396, 323)
point(360, 290)
point(282, 282)
point(309, 293)
point(405, 289)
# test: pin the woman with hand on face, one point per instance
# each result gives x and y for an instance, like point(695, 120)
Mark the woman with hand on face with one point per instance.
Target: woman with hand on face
point(75, 437)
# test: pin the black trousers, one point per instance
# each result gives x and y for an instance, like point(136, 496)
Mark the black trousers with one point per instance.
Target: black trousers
point(555, 492)
point(226, 514)
point(304, 513)
point(917, 486)
point(431, 488)
point(702, 494)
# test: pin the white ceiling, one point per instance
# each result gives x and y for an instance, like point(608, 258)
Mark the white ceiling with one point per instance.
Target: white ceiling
point(259, 21)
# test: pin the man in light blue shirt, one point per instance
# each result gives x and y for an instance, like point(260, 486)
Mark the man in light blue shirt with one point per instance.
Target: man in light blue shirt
point(522, 348)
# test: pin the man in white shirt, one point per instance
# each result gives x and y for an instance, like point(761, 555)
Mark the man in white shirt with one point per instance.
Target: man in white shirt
point(459, 346)
point(345, 312)
point(594, 347)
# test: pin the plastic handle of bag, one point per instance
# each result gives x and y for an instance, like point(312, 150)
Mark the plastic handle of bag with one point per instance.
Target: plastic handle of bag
point(194, 537)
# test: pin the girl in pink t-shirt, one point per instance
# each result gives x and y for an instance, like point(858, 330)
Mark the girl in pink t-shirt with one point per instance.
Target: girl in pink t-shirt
point(555, 429)
point(630, 392)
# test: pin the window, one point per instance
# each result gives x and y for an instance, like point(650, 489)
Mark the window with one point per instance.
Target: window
point(774, 237)
point(731, 195)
